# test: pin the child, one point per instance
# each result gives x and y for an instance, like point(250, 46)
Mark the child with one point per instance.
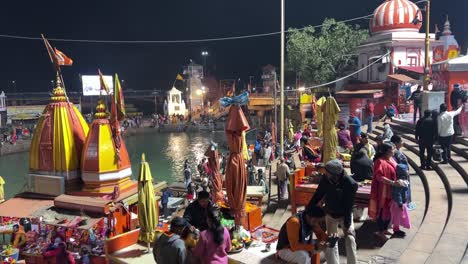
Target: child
point(398, 208)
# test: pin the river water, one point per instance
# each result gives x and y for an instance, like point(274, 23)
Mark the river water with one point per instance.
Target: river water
point(165, 152)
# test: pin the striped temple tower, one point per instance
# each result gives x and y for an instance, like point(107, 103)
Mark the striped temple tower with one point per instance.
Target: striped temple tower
point(105, 162)
point(55, 153)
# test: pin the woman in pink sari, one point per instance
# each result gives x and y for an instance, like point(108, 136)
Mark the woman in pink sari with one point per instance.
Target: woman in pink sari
point(463, 119)
point(381, 189)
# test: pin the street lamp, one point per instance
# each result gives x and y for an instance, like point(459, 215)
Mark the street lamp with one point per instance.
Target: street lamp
point(204, 54)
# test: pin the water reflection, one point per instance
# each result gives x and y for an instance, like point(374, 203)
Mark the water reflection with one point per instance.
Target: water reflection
point(165, 153)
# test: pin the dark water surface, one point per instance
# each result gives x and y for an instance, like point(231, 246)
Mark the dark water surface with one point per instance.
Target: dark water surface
point(165, 152)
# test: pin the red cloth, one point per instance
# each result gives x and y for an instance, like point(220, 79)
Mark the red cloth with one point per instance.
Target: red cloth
point(236, 174)
point(381, 193)
point(216, 180)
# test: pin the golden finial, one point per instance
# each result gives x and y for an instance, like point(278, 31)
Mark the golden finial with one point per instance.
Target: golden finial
point(58, 94)
point(143, 157)
point(100, 110)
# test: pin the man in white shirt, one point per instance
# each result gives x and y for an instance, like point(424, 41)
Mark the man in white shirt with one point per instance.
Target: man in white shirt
point(446, 131)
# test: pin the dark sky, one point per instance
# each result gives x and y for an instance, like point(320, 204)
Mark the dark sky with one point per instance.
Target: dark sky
point(154, 66)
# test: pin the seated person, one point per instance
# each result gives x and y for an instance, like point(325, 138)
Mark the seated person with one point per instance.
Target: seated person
point(364, 144)
point(169, 246)
point(308, 151)
point(295, 243)
point(195, 213)
point(18, 238)
point(362, 166)
point(344, 138)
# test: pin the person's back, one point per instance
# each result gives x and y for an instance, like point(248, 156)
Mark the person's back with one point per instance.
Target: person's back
point(282, 172)
point(209, 251)
point(427, 129)
point(169, 248)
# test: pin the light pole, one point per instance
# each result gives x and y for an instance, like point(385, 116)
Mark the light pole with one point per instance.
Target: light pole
point(282, 83)
point(427, 47)
point(201, 92)
point(204, 54)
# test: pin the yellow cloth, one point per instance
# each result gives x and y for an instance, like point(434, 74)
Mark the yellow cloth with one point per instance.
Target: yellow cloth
point(2, 189)
point(291, 132)
point(320, 103)
point(245, 150)
point(306, 98)
point(330, 139)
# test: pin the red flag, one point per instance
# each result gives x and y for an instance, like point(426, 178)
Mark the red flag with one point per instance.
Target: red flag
point(52, 54)
point(103, 82)
point(62, 59)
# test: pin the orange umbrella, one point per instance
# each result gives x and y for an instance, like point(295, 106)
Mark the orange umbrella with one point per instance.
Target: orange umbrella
point(236, 174)
point(216, 180)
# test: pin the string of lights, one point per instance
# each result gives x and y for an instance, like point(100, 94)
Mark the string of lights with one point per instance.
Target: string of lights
point(180, 41)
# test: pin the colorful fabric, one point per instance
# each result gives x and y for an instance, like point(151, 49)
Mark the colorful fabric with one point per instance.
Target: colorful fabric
point(381, 193)
point(211, 253)
point(400, 216)
point(147, 214)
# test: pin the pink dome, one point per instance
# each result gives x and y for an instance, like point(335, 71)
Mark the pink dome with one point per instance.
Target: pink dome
point(395, 15)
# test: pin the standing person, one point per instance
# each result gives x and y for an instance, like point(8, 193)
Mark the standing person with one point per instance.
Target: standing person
point(267, 155)
point(338, 190)
point(378, 145)
point(398, 208)
point(354, 128)
point(381, 189)
point(169, 246)
point(426, 135)
point(446, 130)
point(401, 158)
point(262, 182)
point(463, 119)
point(370, 115)
point(282, 174)
point(215, 242)
point(456, 98)
point(196, 212)
point(251, 173)
point(416, 97)
point(187, 175)
point(165, 200)
point(295, 243)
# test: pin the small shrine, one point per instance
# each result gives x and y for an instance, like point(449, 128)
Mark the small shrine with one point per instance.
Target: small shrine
point(105, 161)
point(56, 146)
point(175, 104)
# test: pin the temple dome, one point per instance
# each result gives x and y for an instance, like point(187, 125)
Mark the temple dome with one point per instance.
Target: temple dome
point(105, 162)
point(395, 15)
point(58, 138)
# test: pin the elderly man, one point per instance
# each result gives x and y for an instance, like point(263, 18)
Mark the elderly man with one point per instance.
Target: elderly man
point(338, 190)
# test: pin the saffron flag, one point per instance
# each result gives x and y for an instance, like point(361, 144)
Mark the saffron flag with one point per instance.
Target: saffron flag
point(179, 77)
point(103, 83)
point(119, 99)
point(52, 54)
point(62, 59)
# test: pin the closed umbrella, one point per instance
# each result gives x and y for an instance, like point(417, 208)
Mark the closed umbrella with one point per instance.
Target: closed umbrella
point(291, 132)
point(330, 111)
point(147, 215)
point(216, 180)
point(2, 189)
point(236, 174)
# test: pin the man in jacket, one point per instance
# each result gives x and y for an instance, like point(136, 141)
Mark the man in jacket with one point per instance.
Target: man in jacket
point(416, 97)
point(282, 173)
point(426, 134)
point(338, 190)
point(169, 246)
point(195, 213)
point(295, 243)
point(446, 130)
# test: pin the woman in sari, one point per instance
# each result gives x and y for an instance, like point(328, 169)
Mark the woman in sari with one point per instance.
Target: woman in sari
point(381, 189)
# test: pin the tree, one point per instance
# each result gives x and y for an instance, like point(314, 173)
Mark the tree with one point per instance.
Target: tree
point(322, 56)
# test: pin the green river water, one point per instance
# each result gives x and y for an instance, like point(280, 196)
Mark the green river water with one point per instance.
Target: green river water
point(165, 152)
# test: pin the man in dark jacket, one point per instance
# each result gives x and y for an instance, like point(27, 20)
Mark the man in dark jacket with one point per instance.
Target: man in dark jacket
point(338, 190)
point(195, 213)
point(416, 97)
point(169, 246)
point(426, 134)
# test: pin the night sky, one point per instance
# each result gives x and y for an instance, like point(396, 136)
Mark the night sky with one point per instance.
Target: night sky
point(154, 66)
